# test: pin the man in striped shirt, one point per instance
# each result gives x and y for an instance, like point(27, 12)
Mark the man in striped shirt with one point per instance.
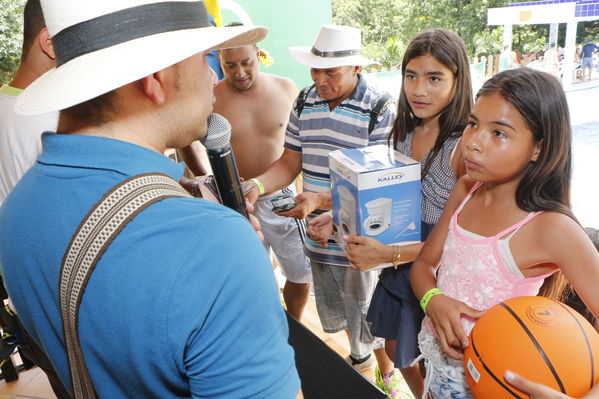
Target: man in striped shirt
point(332, 114)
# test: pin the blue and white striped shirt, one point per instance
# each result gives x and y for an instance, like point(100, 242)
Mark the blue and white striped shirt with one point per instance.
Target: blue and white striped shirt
point(318, 131)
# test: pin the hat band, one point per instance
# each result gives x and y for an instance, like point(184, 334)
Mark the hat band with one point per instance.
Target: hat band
point(126, 25)
point(334, 54)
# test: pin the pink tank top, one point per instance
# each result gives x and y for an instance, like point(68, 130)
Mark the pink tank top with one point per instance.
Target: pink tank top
point(472, 271)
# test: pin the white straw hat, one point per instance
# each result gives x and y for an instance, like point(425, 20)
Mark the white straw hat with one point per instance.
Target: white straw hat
point(101, 45)
point(335, 46)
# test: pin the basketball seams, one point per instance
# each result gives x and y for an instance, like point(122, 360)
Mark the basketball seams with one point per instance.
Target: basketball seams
point(488, 370)
point(586, 340)
point(537, 345)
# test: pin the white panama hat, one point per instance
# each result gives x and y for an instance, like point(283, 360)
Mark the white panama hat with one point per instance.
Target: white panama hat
point(101, 45)
point(335, 46)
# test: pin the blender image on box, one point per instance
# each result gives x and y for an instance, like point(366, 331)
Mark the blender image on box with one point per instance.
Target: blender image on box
point(376, 193)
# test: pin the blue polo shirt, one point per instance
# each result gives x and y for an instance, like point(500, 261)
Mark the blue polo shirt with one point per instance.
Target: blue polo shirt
point(183, 304)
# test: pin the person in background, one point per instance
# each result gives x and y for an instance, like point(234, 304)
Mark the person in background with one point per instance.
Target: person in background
point(587, 57)
point(20, 135)
point(20, 144)
point(257, 136)
point(551, 61)
point(333, 113)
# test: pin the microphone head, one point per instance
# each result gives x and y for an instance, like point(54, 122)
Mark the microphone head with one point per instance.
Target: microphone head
point(219, 132)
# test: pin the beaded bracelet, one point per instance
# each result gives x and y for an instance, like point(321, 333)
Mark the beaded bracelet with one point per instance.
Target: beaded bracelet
point(396, 256)
point(427, 297)
point(259, 185)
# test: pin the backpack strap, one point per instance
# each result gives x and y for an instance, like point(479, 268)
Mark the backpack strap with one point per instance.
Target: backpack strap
point(95, 233)
point(301, 99)
point(376, 110)
point(374, 113)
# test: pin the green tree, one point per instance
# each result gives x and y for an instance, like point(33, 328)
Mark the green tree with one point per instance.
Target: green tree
point(468, 18)
point(379, 22)
point(389, 25)
point(11, 37)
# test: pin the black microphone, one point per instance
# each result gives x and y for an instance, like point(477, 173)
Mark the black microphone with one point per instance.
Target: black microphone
point(223, 163)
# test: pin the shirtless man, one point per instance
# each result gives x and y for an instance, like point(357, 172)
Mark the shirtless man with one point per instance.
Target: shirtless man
point(257, 105)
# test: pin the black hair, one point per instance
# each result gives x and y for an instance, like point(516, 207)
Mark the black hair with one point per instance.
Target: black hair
point(449, 49)
point(545, 185)
point(33, 22)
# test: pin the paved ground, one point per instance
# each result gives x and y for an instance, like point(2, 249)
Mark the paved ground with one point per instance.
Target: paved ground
point(584, 112)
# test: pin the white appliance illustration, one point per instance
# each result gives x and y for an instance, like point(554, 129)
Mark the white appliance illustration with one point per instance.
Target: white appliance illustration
point(347, 213)
point(379, 216)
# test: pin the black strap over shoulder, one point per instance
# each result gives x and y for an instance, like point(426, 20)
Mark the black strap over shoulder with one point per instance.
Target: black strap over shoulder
point(301, 99)
point(374, 113)
point(378, 107)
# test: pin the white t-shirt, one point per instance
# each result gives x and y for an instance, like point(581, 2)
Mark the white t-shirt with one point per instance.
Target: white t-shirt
point(20, 139)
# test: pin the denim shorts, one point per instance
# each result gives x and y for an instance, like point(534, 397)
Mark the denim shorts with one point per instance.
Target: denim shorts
point(445, 377)
point(587, 62)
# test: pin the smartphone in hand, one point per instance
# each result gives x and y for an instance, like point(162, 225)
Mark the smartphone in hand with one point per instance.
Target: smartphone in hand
point(283, 202)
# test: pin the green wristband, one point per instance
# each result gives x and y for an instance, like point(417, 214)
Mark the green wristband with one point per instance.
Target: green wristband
point(427, 297)
point(259, 185)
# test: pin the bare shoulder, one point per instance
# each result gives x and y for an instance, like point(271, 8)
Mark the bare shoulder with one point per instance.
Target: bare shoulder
point(559, 232)
point(280, 80)
point(557, 223)
point(222, 88)
point(564, 243)
point(282, 83)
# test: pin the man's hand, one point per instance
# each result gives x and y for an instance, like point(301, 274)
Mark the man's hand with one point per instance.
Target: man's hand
point(306, 203)
point(536, 391)
point(446, 313)
point(254, 220)
point(250, 191)
point(320, 228)
point(366, 252)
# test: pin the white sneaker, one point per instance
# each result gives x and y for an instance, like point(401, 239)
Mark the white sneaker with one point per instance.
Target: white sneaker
point(367, 364)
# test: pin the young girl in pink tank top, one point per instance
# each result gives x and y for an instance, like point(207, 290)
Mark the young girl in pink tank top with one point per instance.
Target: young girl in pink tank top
point(507, 230)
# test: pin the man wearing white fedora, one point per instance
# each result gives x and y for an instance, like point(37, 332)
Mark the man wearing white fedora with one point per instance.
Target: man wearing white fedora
point(156, 300)
point(339, 111)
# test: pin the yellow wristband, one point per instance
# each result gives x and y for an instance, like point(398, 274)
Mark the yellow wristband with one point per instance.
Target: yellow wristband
point(259, 185)
point(427, 297)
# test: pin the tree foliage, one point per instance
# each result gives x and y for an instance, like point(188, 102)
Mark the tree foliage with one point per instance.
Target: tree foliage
point(11, 37)
point(388, 26)
point(379, 22)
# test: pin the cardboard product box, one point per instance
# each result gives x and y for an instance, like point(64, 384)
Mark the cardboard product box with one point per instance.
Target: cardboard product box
point(375, 193)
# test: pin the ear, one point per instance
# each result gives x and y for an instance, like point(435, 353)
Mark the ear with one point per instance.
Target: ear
point(355, 70)
point(536, 151)
point(154, 87)
point(46, 43)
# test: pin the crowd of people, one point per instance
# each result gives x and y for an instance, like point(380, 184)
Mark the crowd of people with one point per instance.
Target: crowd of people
point(550, 59)
point(126, 285)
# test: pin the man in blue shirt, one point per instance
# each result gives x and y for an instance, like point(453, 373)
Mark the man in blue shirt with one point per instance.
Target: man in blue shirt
point(587, 57)
point(183, 303)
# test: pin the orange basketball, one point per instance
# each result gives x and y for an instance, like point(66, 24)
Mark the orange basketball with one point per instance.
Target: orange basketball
point(538, 338)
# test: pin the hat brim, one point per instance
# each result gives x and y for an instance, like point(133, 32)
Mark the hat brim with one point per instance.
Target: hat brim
point(99, 72)
point(303, 55)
